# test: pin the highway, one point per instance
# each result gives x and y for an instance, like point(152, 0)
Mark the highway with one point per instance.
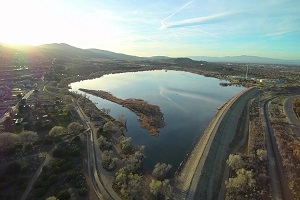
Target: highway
point(279, 184)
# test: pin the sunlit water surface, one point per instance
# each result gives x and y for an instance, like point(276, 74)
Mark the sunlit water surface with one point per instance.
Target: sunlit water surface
point(188, 102)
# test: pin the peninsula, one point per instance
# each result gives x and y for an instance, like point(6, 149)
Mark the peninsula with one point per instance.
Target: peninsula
point(150, 116)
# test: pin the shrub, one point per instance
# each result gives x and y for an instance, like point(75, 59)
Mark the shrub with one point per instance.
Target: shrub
point(63, 195)
point(83, 191)
point(52, 179)
point(13, 168)
point(40, 192)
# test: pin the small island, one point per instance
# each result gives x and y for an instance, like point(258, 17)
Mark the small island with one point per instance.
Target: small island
point(150, 116)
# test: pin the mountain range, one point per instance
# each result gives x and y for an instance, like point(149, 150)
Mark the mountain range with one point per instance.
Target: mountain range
point(246, 59)
point(65, 50)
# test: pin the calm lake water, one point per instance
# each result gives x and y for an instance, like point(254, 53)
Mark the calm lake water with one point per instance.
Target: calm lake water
point(188, 102)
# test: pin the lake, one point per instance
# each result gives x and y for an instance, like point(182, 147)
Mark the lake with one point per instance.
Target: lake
point(188, 102)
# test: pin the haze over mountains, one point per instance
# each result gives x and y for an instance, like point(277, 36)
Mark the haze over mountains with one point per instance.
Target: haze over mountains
point(65, 50)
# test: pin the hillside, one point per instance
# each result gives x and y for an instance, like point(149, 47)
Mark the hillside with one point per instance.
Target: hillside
point(62, 50)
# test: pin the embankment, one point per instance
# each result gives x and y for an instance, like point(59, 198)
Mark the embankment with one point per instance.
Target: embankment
point(200, 175)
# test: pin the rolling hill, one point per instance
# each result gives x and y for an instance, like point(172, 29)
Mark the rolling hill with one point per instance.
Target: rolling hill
point(62, 50)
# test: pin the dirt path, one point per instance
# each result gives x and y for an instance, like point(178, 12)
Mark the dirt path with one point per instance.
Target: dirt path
point(36, 175)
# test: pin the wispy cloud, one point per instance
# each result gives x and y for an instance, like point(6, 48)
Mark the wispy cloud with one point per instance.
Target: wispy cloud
point(200, 20)
point(177, 11)
point(275, 34)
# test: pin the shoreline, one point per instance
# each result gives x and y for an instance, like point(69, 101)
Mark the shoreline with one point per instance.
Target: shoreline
point(149, 116)
point(183, 178)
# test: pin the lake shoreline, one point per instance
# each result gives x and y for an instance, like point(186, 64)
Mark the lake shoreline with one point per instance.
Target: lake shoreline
point(182, 99)
point(150, 116)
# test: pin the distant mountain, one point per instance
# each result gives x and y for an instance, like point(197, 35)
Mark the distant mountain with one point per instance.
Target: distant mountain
point(59, 50)
point(65, 50)
point(62, 50)
point(246, 59)
point(113, 55)
point(157, 58)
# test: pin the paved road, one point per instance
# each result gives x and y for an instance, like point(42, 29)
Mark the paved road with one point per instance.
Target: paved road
point(101, 179)
point(279, 184)
point(14, 108)
point(289, 112)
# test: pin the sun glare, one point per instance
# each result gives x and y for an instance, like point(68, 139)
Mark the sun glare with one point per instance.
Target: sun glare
point(23, 22)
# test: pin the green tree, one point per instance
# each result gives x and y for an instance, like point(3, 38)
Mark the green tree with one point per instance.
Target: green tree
point(108, 161)
point(243, 182)
point(63, 195)
point(262, 154)
point(103, 143)
point(235, 161)
point(68, 98)
point(129, 184)
point(52, 198)
point(74, 128)
point(56, 131)
point(155, 187)
point(28, 138)
point(7, 142)
point(109, 127)
point(70, 107)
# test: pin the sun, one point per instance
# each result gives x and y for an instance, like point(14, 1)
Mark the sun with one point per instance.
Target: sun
point(23, 22)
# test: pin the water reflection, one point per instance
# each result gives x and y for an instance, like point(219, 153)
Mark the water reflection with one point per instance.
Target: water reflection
point(188, 101)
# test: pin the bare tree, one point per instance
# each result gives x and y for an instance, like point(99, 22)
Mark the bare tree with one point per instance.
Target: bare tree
point(125, 143)
point(160, 170)
point(166, 189)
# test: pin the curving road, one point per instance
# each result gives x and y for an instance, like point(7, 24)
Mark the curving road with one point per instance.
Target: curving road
point(102, 184)
point(290, 114)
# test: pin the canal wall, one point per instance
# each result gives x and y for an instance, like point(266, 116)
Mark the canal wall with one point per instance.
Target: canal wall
point(203, 165)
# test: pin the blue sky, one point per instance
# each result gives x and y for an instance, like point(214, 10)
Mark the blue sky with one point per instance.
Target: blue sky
point(268, 28)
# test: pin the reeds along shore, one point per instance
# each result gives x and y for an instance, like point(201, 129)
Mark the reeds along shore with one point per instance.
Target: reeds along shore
point(150, 116)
